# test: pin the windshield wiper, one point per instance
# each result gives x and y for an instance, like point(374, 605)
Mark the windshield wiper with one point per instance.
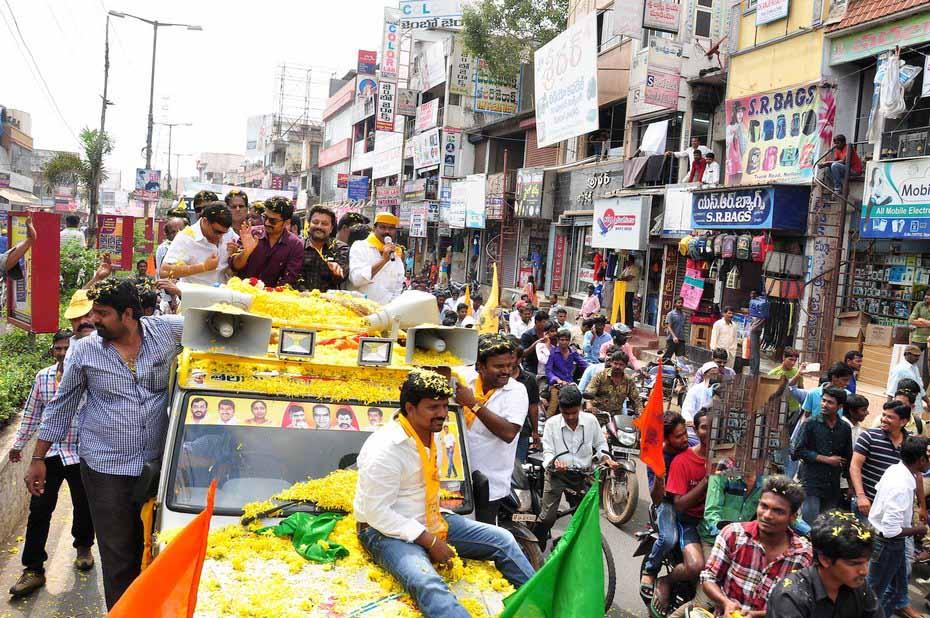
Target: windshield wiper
point(288, 508)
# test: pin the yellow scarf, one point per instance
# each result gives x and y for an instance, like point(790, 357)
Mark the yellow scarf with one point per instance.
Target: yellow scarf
point(435, 522)
point(377, 244)
point(481, 397)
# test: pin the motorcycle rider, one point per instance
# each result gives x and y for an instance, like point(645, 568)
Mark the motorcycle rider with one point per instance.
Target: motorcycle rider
point(621, 338)
point(611, 388)
point(719, 358)
point(571, 441)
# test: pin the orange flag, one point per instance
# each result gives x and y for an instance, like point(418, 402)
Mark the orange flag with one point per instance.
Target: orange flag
point(650, 428)
point(168, 587)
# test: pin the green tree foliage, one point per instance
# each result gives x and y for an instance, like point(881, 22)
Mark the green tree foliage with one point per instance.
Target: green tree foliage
point(17, 377)
point(505, 33)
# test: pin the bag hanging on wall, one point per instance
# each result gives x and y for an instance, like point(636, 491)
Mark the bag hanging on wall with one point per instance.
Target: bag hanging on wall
point(729, 246)
point(718, 245)
point(744, 247)
point(683, 245)
point(733, 281)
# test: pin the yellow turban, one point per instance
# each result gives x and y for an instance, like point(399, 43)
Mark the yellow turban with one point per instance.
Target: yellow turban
point(387, 218)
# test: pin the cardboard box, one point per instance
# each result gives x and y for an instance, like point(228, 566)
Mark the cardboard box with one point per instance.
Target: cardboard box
point(842, 345)
point(879, 335)
point(876, 363)
point(853, 318)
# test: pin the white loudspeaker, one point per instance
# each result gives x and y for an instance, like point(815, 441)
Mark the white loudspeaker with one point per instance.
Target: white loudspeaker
point(196, 296)
point(226, 332)
point(462, 342)
point(412, 308)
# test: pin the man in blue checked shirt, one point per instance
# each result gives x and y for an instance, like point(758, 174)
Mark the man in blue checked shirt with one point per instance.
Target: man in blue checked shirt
point(122, 371)
point(61, 464)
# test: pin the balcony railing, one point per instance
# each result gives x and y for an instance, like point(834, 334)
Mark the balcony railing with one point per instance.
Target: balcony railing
point(903, 143)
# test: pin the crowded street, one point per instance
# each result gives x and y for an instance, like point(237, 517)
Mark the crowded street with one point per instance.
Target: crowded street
point(465, 309)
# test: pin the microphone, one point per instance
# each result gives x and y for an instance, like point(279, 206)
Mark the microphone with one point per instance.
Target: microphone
point(388, 241)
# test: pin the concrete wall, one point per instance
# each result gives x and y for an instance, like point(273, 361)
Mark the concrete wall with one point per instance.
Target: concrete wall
point(15, 502)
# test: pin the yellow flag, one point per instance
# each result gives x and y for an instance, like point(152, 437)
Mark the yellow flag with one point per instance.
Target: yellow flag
point(468, 300)
point(488, 320)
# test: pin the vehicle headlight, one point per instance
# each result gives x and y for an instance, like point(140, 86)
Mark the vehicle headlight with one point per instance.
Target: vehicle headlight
point(526, 500)
point(627, 439)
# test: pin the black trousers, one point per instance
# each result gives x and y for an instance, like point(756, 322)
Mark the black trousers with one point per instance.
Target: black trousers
point(119, 529)
point(42, 507)
point(628, 309)
point(487, 513)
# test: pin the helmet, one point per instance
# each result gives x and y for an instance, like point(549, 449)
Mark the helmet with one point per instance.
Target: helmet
point(621, 329)
point(569, 396)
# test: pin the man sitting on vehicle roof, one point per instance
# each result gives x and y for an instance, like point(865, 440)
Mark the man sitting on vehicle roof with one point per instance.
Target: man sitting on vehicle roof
point(397, 504)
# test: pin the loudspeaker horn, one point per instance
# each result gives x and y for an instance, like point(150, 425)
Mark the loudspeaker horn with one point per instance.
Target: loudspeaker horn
point(196, 296)
point(411, 308)
point(238, 333)
point(462, 342)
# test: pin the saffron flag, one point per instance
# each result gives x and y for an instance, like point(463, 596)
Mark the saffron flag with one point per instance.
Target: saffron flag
point(468, 301)
point(571, 582)
point(488, 318)
point(168, 587)
point(650, 425)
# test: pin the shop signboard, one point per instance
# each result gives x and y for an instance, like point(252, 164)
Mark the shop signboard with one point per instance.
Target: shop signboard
point(463, 69)
point(358, 187)
point(32, 301)
point(432, 65)
point(458, 197)
point(390, 43)
point(387, 158)
point(403, 213)
point(342, 181)
point(566, 84)
point(387, 196)
point(622, 223)
point(432, 214)
point(452, 140)
point(427, 14)
point(628, 19)
point(662, 15)
point(115, 236)
point(406, 102)
point(764, 208)
point(148, 184)
point(387, 98)
point(880, 38)
point(768, 11)
point(426, 149)
point(529, 193)
point(676, 221)
point(493, 95)
point(896, 199)
point(777, 136)
point(558, 261)
point(367, 62)
point(475, 205)
point(419, 213)
point(415, 189)
point(427, 115)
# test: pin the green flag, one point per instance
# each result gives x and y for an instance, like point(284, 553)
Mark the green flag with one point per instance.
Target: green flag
point(306, 532)
point(571, 582)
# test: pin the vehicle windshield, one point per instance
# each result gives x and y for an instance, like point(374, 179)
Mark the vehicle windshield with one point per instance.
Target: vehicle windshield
point(250, 446)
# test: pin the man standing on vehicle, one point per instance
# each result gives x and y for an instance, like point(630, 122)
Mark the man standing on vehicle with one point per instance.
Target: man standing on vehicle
point(326, 259)
point(62, 464)
point(495, 406)
point(376, 264)
point(269, 252)
point(200, 252)
point(121, 374)
point(611, 388)
point(397, 503)
point(749, 558)
point(572, 440)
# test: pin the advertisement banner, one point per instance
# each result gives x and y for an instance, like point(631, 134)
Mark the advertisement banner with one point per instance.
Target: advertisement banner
point(558, 262)
point(342, 181)
point(425, 14)
point(403, 213)
point(776, 136)
point(148, 184)
point(418, 217)
point(432, 65)
point(432, 215)
point(768, 11)
point(457, 204)
point(691, 291)
point(387, 98)
point(367, 62)
point(566, 84)
point(896, 199)
point(496, 96)
point(386, 196)
point(475, 214)
point(662, 15)
point(426, 149)
point(451, 143)
point(32, 301)
point(463, 68)
point(529, 193)
point(358, 188)
point(406, 102)
point(390, 43)
point(387, 160)
point(661, 88)
point(427, 115)
point(115, 236)
point(21, 289)
point(621, 223)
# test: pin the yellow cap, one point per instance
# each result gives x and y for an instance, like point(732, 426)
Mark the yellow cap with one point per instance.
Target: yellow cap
point(387, 218)
point(79, 306)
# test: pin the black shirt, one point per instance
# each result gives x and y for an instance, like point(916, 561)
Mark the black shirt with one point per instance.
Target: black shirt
point(530, 362)
point(316, 274)
point(818, 438)
point(532, 390)
point(802, 595)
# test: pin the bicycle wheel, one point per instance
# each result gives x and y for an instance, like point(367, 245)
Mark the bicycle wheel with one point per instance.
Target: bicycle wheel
point(610, 575)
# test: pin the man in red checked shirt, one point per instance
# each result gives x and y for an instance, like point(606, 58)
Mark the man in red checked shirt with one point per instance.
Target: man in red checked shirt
point(749, 557)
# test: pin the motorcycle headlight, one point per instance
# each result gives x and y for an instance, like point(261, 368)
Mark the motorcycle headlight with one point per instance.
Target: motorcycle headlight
point(627, 439)
point(525, 499)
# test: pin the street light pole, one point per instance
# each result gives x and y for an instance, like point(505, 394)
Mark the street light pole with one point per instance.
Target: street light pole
point(171, 126)
point(93, 192)
point(148, 136)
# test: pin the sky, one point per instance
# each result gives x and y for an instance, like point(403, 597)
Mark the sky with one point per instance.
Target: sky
point(214, 79)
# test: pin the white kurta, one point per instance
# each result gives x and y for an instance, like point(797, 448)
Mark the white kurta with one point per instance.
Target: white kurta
point(384, 286)
point(190, 247)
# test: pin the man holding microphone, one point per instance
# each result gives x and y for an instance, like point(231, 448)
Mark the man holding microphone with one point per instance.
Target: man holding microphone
point(376, 264)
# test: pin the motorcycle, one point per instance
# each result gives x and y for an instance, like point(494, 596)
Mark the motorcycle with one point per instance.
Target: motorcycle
point(619, 488)
point(675, 379)
point(523, 507)
point(681, 592)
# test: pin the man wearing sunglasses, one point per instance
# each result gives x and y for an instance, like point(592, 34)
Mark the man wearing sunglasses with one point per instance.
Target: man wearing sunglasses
point(908, 367)
point(270, 252)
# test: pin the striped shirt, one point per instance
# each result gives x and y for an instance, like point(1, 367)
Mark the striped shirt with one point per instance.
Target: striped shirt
point(125, 418)
point(880, 454)
point(43, 391)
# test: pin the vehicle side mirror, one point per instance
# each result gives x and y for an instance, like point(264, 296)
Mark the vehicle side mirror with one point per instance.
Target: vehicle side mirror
point(146, 486)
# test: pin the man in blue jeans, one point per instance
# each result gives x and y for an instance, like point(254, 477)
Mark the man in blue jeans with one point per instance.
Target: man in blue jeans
point(397, 504)
point(676, 441)
point(892, 516)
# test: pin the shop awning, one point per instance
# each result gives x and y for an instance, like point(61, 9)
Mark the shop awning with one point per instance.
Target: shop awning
point(764, 207)
point(859, 12)
point(15, 196)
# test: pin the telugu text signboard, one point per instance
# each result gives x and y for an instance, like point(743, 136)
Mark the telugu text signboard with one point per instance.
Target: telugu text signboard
point(427, 115)
point(896, 200)
point(529, 193)
point(493, 95)
point(566, 84)
point(387, 98)
point(662, 15)
point(427, 14)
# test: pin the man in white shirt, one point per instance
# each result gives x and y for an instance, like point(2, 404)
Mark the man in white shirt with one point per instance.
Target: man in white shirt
point(71, 233)
point(495, 407)
point(891, 516)
point(397, 504)
point(521, 320)
point(725, 334)
point(700, 396)
point(172, 227)
point(200, 253)
point(572, 439)
point(711, 170)
point(908, 368)
point(376, 264)
point(688, 153)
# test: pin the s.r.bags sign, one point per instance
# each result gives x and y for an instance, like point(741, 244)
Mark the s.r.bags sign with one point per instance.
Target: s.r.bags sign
point(735, 209)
